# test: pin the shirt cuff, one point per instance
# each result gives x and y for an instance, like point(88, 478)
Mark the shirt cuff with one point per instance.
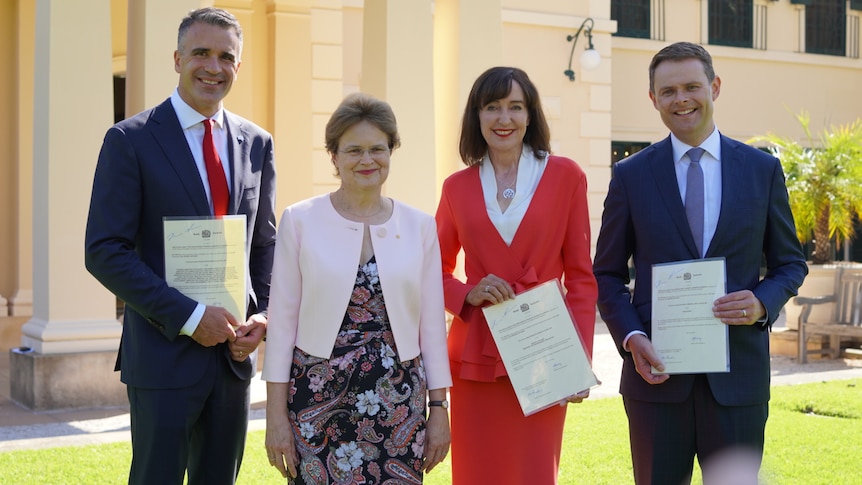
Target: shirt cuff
point(194, 320)
point(765, 319)
point(630, 335)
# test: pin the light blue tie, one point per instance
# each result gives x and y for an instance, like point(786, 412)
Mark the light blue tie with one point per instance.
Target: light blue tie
point(694, 198)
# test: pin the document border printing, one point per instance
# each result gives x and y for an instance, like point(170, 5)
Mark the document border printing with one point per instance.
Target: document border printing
point(540, 346)
point(685, 333)
point(206, 260)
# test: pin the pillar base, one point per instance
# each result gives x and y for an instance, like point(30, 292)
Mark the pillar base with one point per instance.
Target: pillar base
point(21, 304)
point(48, 382)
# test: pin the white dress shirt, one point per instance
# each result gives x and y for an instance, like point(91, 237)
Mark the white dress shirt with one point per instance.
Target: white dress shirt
point(710, 162)
point(193, 128)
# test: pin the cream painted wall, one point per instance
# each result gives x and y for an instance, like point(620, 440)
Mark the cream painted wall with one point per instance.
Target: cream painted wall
point(633, 116)
point(151, 42)
point(119, 16)
point(467, 40)
point(302, 56)
point(558, 6)
point(287, 97)
point(397, 63)
point(579, 112)
point(760, 90)
point(331, 36)
point(352, 55)
point(784, 39)
point(759, 95)
point(688, 19)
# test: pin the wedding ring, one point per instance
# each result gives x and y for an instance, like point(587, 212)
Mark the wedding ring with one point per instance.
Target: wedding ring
point(744, 313)
point(241, 353)
point(487, 289)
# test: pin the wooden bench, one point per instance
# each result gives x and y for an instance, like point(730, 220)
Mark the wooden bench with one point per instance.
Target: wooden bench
point(846, 318)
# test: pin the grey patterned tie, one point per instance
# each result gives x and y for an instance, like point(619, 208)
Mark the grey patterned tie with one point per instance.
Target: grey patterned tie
point(694, 198)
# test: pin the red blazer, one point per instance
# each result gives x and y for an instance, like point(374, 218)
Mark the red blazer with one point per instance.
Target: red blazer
point(552, 241)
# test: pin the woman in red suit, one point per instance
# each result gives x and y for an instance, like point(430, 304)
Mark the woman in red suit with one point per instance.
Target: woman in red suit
point(521, 217)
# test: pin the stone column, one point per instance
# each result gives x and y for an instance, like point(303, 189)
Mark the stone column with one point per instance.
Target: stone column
point(152, 40)
point(468, 38)
point(294, 95)
point(70, 343)
point(397, 66)
point(21, 302)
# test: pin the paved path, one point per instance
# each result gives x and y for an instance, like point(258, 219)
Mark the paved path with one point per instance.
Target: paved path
point(606, 364)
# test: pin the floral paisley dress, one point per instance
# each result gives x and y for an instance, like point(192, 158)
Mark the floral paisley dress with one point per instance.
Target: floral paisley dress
point(359, 416)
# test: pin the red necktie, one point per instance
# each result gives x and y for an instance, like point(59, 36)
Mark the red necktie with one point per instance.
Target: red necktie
point(215, 172)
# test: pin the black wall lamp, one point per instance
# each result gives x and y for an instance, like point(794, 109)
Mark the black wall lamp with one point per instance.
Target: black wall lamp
point(590, 58)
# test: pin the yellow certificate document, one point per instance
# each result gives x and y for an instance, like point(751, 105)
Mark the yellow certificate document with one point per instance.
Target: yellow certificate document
point(205, 258)
point(540, 346)
point(686, 335)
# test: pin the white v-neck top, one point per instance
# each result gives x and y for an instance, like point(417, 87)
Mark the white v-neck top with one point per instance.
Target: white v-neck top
point(530, 170)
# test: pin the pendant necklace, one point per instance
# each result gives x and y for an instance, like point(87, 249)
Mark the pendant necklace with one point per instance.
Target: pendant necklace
point(509, 191)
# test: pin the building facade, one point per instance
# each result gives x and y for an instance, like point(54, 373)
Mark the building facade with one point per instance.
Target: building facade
point(80, 65)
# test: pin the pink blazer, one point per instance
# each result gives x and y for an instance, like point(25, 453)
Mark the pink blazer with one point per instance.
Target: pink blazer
point(552, 241)
point(314, 271)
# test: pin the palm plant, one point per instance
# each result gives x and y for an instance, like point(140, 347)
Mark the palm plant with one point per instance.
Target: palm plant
point(824, 182)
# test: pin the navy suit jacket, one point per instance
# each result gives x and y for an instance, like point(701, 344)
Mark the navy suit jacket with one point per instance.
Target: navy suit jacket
point(644, 218)
point(146, 172)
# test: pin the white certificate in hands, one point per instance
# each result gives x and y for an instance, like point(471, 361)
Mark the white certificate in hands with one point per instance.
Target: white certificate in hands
point(685, 334)
point(540, 346)
point(205, 258)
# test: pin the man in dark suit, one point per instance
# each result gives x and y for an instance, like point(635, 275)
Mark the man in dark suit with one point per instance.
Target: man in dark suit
point(187, 365)
point(745, 219)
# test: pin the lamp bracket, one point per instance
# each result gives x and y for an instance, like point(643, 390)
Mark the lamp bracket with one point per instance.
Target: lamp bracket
point(569, 38)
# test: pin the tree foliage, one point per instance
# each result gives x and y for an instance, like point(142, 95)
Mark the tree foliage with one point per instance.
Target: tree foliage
point(824, 182)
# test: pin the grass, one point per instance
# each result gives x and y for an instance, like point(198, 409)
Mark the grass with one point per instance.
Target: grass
point(811, 437)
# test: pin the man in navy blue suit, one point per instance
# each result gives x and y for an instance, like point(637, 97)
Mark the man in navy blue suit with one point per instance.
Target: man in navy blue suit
point(187, 366)
point(746, 220)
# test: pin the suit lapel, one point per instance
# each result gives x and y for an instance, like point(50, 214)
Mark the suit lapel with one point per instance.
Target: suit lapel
point(494, 242)
point(238, 150)
point(542, 199)
point(732, 165)
point(168, 133)
point(664, 173)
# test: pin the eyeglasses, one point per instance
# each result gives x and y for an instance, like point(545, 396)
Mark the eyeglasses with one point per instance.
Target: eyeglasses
point(376, 152)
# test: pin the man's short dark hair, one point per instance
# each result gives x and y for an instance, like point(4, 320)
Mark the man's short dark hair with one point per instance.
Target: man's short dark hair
point(681, 51)
point(212, 16)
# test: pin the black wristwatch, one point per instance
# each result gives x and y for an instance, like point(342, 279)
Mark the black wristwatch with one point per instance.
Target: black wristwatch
point(443, 404)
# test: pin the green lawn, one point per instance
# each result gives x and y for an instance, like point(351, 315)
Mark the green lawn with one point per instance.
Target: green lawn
point(812, 438)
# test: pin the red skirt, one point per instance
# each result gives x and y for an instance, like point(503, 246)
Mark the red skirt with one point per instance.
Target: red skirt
point(492, 441)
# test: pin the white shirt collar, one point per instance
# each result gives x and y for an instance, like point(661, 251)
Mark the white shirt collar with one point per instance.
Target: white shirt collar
point(188, 116)
point(712, 146)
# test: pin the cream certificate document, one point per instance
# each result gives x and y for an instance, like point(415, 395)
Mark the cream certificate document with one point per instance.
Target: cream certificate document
point(205, 258)
point(540, 346)
point(686, 335)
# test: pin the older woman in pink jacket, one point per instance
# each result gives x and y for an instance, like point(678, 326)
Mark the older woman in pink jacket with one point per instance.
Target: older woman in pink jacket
point(356, 341)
